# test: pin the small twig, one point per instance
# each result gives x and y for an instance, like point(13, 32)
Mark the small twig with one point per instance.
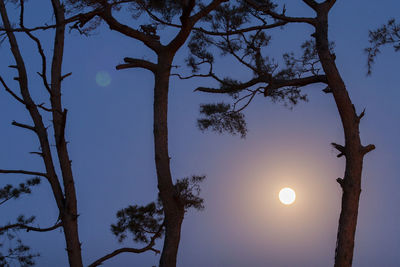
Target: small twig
point(65, 76)
point(340, 148)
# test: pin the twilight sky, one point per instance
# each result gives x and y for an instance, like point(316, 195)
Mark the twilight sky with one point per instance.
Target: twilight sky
point(111, 145)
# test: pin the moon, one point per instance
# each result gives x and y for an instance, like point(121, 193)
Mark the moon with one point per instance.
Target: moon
point(287, 196)
point(103, 78)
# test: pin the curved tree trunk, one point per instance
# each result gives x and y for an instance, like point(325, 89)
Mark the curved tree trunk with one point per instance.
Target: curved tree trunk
point(173, 208)
point(352, 150)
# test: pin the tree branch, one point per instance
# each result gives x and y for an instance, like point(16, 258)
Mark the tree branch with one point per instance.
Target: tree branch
point(131, 250)
point(283, 17)
point(23, 172)
point(137, 63)
point(25, 126)
point(189, 21)
point(340, 148)
point(119, 251)
point(368, 148)
point(148, 40)
point(204, 12)
point(244, 30)
point(11, 92)
point(214, 33)
point(29, 228)
point(300, 82)
point(273, 84)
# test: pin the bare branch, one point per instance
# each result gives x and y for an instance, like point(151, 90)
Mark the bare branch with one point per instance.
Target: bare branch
point(23, 172)
point(368, 148)
point(250, 96)
point(66, 75)
point(44, 108)
point(81, 18)
point(137, 63)
point(122, 250)
point(25, 126)
point(29, 228)
point(10, 91)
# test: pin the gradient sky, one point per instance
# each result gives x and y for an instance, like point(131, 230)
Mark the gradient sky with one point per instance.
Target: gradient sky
point(110, 134)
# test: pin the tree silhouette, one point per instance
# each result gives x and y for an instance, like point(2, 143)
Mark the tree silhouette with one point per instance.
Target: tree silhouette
point(149, 33)
point(63, 189)
point(239, 30)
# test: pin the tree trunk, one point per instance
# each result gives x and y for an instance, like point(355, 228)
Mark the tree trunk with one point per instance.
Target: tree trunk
point(352, 150)
point(173, 208)
point(69, 214)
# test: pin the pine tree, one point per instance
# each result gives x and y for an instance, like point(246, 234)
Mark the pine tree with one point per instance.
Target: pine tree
point(240, 29)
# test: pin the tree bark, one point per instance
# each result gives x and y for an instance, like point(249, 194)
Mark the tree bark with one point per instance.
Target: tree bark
point(353, 150)
point(173, 208)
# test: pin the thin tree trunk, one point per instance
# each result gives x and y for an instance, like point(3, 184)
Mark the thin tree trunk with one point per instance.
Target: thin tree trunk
point(352, 150)
point(173, 208)
point(66, 202)
point(69, 215)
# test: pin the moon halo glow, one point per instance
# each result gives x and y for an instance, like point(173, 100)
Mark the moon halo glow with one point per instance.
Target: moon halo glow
point(287, 196)
point(103, 78)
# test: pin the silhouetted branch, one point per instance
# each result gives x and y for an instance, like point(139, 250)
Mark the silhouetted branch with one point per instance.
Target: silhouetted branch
point(282, 16)
point(215, 33)
point(137, 63)
point(148, 40)
point(340, 148)
point(29, 228)
point(25, 126)
point(11, 92)
point(23, 172)
point(149, 247)
point(368, 148)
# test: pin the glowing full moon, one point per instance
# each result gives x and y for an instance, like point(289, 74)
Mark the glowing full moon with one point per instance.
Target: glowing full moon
point(287, 195)
point(103, 78)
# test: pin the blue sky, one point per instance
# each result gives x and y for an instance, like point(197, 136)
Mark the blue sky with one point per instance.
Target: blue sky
point(110, 134)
